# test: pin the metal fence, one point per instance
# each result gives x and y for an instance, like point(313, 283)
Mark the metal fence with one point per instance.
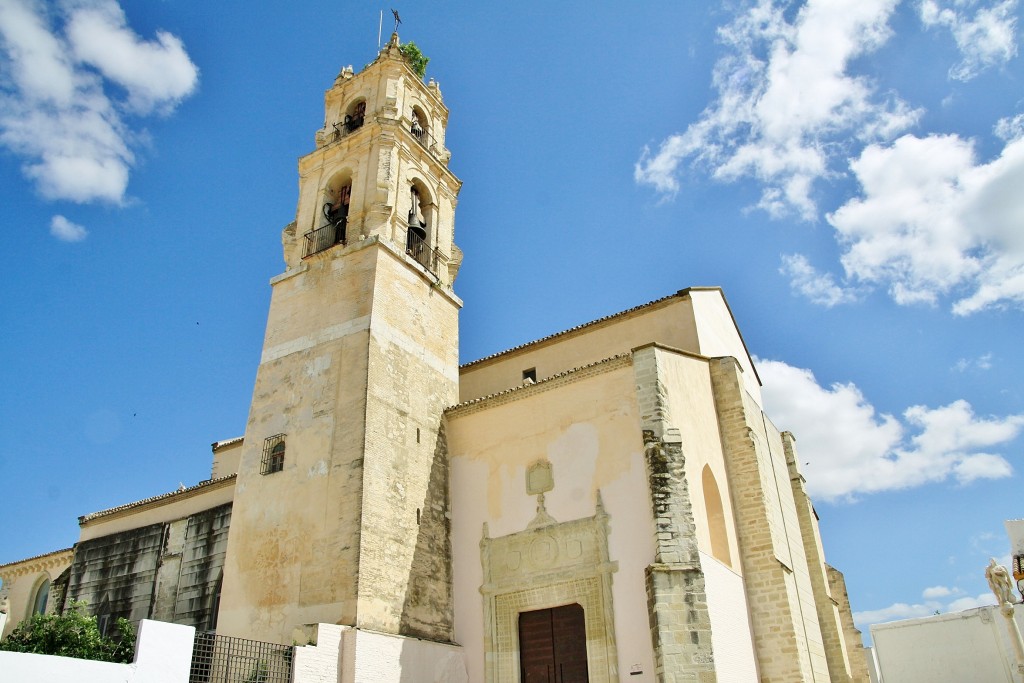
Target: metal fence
point(221, 659)
point(416, 247)
point(324, 238)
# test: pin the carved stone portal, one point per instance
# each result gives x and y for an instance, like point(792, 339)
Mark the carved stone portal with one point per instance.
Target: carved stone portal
point(547, 565)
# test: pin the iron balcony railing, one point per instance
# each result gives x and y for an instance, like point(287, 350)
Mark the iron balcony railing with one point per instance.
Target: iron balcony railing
point(324, 237)
point(222, 659)
point(350, 125)
point(416, 246)
point(428, 141)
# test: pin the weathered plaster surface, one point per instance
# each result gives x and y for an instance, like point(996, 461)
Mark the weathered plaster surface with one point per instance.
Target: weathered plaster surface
point(586, 427)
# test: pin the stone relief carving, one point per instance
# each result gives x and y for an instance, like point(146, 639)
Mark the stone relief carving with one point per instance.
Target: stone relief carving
point(539, 478)
point(548, 564)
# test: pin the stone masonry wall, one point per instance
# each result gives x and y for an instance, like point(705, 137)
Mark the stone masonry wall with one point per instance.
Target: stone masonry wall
point(116, 574)
point(851, 634)
point(169, 572)
point(202, 566)
point(405, 552)
point(836, 655)
point(771, 589)
point(677, 601)
point(293, 551)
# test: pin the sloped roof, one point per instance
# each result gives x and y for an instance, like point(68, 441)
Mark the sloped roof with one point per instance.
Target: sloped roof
point(682, 293)
point(180, 493)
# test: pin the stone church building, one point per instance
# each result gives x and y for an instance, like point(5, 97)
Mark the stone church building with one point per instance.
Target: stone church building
point(609, 503)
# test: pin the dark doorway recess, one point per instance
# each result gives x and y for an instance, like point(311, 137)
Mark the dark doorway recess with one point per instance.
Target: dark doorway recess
point(553, 645)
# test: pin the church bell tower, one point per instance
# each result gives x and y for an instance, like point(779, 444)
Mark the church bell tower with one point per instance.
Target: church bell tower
point(340, 508)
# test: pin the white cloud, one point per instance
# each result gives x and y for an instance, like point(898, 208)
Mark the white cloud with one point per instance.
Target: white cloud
point(818, 287)
point(931, 221)
point(902, 610)
point(983, 362)
point(986, 38)
point(785, 100)
point(938, 592)
point(66, 231)
point(853, 450)
point(895, 612)
point(1010, 129)
point(71, 81)
point(965, 603)
point(154, 74)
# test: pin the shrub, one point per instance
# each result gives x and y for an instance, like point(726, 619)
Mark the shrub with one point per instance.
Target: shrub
point(72, 634)
point(416, 59)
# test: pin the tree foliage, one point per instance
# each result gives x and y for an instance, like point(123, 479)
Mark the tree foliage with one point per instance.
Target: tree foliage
point(416, 59)
point(72, 634)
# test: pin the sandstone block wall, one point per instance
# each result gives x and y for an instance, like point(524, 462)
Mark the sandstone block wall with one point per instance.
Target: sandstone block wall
point(116, 574)
point(677, 601)
point(294, 543)
point(834, 643)
point(405, 551)
point(851, 634)
point(786, 636)
point(359, 362)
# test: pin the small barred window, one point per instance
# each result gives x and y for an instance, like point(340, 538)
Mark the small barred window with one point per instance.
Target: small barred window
point(273, 454)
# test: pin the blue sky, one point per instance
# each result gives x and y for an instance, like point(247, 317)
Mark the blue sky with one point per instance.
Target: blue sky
point(849, 173)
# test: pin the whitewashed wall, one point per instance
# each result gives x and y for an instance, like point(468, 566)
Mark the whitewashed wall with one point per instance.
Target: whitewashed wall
point(163, 654)
point(730, 625)
point(344, 654)
point(973, 645)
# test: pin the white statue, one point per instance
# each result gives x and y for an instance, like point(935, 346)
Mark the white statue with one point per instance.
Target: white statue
point(999, 581)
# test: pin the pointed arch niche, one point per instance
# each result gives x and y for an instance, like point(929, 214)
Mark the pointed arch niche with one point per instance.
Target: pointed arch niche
point(715, 515)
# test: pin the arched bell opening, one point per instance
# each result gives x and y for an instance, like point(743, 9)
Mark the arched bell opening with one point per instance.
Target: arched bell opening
point(420, 126)
point(330, 225)
point(355, 115)
point(336, 205)
point(419, 223)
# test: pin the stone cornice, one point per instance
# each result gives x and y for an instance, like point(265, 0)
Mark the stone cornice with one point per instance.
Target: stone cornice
point(553, 382)
point(34, 565)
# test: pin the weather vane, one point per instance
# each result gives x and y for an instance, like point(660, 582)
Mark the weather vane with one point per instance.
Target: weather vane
point(398, 19)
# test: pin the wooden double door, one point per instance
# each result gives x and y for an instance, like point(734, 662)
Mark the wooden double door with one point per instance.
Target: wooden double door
point(553, 645)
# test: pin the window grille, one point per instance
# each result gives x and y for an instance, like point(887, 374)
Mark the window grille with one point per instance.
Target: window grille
point(273, 454)
point(220, 659)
